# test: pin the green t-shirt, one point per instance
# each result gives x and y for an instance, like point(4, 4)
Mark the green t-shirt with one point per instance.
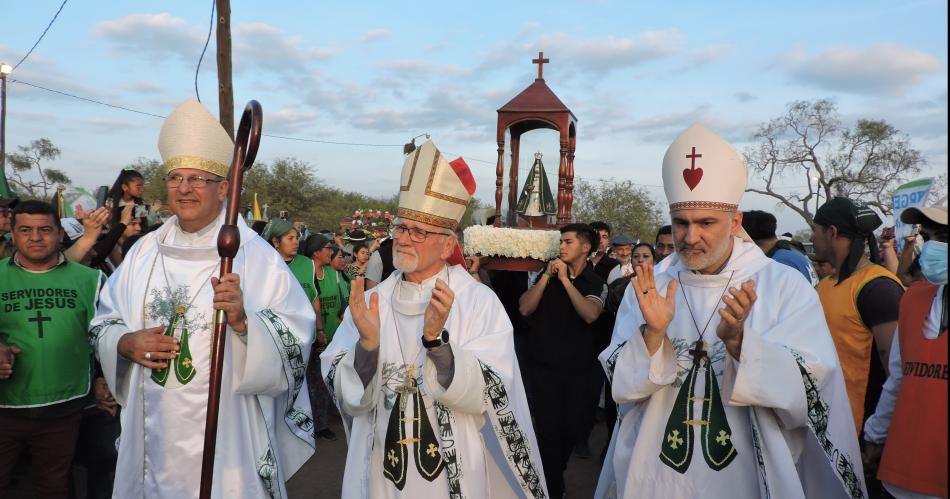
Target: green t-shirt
point(47, 316)
point(302, 268)
point(334, 295)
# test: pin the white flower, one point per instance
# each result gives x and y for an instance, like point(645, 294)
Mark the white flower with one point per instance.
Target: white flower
point(512, 243)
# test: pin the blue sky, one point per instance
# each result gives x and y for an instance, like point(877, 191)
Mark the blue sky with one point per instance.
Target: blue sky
point(634, 73)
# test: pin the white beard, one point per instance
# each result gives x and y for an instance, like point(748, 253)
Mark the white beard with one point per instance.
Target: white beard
point(405, 262)
point(709, 258)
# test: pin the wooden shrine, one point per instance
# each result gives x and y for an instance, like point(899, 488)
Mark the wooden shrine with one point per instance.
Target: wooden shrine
point(534, 108)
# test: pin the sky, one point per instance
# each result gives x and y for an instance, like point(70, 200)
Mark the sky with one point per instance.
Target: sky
point(635, 74)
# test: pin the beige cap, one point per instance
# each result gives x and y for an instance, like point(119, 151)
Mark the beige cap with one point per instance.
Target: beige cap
point(192, 138)
point(433, 190)
point(937, 215)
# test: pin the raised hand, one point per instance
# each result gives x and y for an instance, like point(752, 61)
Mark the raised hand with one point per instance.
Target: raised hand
point(438, 310)
point(739, 303)
point(366, 318)
point(657, 310)
point(94, 220)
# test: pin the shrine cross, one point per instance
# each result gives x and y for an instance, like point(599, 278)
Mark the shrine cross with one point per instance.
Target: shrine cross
point(692, 158)
point(540, 61)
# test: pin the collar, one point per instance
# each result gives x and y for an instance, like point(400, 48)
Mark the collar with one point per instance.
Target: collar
point(410, 298)
point(15, 260)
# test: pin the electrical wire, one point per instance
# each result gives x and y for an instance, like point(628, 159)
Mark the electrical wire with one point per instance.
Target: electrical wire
point(302, 139)
point(67, 94)
point(205, 49)
point(41, 35)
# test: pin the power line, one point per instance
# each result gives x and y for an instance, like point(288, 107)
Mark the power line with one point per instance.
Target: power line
point(301, 139)
point(67, 94)
point(41, 35)
point(205, 49)
point(333, 142)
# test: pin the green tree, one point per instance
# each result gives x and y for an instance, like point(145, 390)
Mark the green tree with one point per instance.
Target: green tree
point(627, 208)
point(31, 158)
point(808, 145)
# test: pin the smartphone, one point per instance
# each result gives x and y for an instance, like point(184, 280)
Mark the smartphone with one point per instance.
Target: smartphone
point(101, 196)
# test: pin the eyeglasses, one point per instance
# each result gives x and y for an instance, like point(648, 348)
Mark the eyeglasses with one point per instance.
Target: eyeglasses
point(195, 181)
point(416, 234)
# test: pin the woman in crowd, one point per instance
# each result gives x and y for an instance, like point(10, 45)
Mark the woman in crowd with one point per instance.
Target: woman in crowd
point(643, 254)
point(361, 255)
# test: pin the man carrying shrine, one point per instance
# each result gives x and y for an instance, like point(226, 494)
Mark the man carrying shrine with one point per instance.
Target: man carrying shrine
point(721, 361)
point(423, 366)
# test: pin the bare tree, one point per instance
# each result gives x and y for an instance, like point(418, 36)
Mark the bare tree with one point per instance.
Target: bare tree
point(30, 158)
point(938, 192)
point(810, 144)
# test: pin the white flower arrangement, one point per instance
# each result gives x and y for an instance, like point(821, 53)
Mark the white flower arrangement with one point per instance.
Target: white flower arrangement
point(484, 240)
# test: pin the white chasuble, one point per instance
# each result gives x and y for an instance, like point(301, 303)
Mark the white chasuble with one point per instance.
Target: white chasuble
point(776, 423)
point(265, 429)
point(482, 431)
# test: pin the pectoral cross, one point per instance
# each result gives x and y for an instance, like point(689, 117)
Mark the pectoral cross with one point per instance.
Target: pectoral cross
point(408, 388)
point(699, 352)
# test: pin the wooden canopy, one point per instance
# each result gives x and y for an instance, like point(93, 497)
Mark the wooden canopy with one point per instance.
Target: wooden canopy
point(536, 107)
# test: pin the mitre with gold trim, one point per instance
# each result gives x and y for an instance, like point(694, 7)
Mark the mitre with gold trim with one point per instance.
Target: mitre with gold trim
point(192, 138)
point(433, 190)
point(703, 171)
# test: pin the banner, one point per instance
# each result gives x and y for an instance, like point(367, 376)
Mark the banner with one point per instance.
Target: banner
point(910, 195)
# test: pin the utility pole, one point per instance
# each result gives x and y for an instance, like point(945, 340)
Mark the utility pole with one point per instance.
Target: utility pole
point(5, 69)
point(225, 90)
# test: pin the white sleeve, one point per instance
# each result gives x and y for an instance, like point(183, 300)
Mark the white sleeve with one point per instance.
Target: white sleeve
point(466, 393)
point(877, 426)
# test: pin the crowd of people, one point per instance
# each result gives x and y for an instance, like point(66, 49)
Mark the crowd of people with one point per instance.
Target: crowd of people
point(793, 373)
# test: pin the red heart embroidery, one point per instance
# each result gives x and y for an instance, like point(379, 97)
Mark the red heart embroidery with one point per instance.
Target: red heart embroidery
point(692, 176)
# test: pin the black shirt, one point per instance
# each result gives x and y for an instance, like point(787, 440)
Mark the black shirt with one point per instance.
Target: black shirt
point(558, 338)
point(604, 266)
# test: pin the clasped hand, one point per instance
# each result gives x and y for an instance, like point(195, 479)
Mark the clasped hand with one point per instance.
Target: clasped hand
point(366, 316)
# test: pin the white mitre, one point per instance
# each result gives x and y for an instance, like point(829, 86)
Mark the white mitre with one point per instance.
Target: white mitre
point(702, 171)
point(433, 190)
point(192, 138)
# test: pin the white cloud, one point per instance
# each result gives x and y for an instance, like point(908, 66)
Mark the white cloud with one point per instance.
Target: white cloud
point(711, 53)
point(286, 120)
point(154, 36)
point(744, 97)
point(269, 47)
point(880, 69)
point(376, 34)
point(599, 55)
point(111, 125)
point(144, 87)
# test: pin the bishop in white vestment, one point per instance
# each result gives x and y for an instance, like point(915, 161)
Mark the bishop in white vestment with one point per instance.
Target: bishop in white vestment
point(436, 406)
point(760, 414)
point(166, 286)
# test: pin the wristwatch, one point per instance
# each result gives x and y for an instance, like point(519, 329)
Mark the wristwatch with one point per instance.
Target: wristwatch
point(443, 339)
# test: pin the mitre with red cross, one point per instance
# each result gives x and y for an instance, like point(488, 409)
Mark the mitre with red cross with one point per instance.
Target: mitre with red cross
point(433, 190)
point(702, 171)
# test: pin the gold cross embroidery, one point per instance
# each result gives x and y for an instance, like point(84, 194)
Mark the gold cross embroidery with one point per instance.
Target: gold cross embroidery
point(432, 450)
point(393, 460)
point(723, 437)
point(674, 439)
point(186, 362)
